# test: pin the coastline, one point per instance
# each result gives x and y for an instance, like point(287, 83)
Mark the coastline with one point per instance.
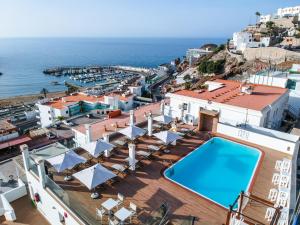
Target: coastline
point(26, 99)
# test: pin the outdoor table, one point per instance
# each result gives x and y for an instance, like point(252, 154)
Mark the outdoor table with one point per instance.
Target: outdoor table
point(123, 214)
point(109, 204)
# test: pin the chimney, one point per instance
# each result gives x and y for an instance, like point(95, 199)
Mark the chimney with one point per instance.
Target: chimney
point(106, 139)
point(88, 133)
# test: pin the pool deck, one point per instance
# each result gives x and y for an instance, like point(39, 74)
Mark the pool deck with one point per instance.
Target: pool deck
point(147, 188)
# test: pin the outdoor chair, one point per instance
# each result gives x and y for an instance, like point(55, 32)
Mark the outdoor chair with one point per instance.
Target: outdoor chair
point(120, 200)
point(113, 222)
point(100, 213)
point(133, 210)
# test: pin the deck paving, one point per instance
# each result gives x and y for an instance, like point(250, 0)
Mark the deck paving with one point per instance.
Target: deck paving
point(147, 187)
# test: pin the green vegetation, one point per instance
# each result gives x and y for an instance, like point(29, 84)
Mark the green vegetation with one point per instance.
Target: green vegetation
point(187, 85)
point(257, 14)
point(219, 48)
point(216, 67)
point(187, 77)
point(44, 92)
point(60, 118)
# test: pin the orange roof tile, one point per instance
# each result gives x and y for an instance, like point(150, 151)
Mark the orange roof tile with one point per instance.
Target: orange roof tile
point(72, 99)
point(230, 94)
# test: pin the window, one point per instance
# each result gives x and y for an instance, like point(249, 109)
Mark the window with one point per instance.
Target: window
point(184, 106)
point(50, 118)
point(67, 112)
point(49, 111)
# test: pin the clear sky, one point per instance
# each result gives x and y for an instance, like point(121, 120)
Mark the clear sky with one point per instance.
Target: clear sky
point(130, 18)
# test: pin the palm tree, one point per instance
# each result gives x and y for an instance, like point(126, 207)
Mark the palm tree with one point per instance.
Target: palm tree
point(257, 14)
point(44, 91)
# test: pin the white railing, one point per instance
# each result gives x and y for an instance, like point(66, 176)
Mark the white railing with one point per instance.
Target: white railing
point(7, 209)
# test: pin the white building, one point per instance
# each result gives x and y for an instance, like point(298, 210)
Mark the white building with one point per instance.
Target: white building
point(193, 54)
point(265, 18)
point(289, 80)
point(68, 106)
point(243, 40)
point(288, 11)
point(230, 102)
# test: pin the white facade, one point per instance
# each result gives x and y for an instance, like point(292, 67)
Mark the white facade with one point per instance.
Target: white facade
point(228, 114)
point(265, 18)
point(47, 114)
point(243, 40)
point(135, 90)
point(193, 54)
point(112, 100)
point(288, 11)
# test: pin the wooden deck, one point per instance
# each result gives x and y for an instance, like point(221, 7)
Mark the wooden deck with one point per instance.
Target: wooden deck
point(147, 188)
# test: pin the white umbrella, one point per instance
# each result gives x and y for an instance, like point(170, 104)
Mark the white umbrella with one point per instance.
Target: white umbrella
point(94, 176)
point(132, 132)
point(167, 136)
point(95, 148)
point(163, 119)
point(66, 160)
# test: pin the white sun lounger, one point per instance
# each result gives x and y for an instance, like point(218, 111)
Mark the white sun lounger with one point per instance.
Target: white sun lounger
point(269, 214)
point(143, 154)
point(276, 178)
point(273, 195)
point(282, 198)
point(284, 181)
point(286, 166)
point(153, 148)
point(278, 165)
point(119, 168)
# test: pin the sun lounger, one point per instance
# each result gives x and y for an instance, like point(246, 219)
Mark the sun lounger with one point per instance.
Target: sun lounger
point(159, 216)
point(145, 155)
point(153, 148)
point(120, 168)
point(120, 142)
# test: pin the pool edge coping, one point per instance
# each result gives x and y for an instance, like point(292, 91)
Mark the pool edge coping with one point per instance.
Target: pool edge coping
point(250, 184)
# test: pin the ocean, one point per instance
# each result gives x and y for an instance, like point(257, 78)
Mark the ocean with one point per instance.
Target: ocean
point(22, 60)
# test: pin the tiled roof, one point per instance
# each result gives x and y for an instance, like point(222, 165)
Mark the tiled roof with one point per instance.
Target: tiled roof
point(72, 99)
point(230, 94)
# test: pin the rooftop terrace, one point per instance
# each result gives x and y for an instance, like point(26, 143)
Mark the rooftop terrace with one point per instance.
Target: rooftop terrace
point(147, 188)
point(230, 94)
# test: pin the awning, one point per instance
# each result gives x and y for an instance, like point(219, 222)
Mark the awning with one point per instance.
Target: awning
point(14, 142)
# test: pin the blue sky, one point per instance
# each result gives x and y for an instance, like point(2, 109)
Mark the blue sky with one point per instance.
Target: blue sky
point(130, 18)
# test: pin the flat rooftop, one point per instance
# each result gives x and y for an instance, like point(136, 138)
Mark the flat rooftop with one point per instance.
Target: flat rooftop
point(108, 125)
point(26, 213)
point(230, 94)
point(6, 126)
point(48, 151)
point(65, 101)
point(147, 188)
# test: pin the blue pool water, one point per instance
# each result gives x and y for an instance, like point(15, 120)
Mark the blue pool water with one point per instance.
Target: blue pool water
point(217, 170)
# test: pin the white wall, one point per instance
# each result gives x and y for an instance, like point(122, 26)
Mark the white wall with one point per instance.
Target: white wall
point(46, 118)
point(7, 209)
point(79, 138)
point(276, 140)
point(229, 114)
point(268, 80)
point(17, 192)
point(49, 204)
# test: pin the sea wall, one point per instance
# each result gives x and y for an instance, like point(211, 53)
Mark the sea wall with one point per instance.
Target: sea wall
point(272, 54)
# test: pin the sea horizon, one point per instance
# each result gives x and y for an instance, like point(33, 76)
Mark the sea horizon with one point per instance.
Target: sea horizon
point(22, 60)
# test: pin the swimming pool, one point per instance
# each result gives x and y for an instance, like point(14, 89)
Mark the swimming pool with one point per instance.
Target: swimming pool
point(218, 170)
